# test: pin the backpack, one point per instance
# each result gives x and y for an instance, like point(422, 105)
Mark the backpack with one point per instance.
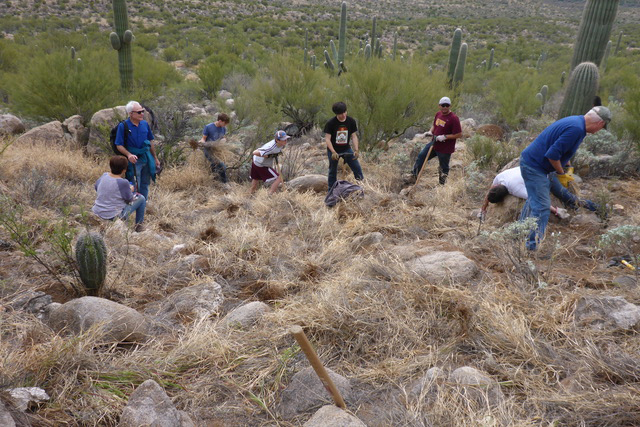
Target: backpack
point(112, 137)
point(342, 190)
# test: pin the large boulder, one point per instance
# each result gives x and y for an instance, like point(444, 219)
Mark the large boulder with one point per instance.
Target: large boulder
point(313, 182)
point(116, 322)
point(10, 125)
point(76, 131)
point(507, 211)
point(607, 313)
point(190, 303)
point(442, 266)
point(477, 386)
point(306, 392)
point(246, 315)
point(332, 416)
point(100, 126)
point(468, 127)
point(49, 133)
point(149, 405)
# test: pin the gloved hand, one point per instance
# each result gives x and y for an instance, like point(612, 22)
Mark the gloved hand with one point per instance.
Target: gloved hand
point(441, 138)
point(569, 171)
point(428, 133)
point(335, 156)
point(356, 154)
point(482, 215)
point(565, 179)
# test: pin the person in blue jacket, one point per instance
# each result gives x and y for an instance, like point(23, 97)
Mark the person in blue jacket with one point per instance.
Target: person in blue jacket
point(138, 148)
point(549, 154)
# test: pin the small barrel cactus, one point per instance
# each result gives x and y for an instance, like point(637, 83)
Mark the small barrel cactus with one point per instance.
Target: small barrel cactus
point(582, 89)
point(91, 256)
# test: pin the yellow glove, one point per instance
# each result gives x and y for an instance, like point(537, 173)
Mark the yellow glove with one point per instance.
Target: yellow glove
point(569, 171)
point(335, 156)
point(565, 179)
point(356, 154)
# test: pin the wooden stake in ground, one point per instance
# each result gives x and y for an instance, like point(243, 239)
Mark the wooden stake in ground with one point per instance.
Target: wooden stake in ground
point(424, 165)
point(305, 345)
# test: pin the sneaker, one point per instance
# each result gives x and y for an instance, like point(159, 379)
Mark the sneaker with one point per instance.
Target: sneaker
point(139, 228)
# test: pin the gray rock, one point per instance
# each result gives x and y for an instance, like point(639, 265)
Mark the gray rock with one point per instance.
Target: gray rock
point(428, 383)
point(100, 126)
point(192, 303)
point(149, 405)
point(31, 301)
point(230, 102)
point(6, 420)
point(79, 133)
point(224, 94)
point(49, 133)
point(626, 281)
point(10, 125)
point(23, 398)
point(506, 211)
point(441, 266)
point(45, 317)
point(586, 219)
point(332, 416)
point(477, 386)
point(115, 322)
point(313, 182)
point(192, 263)
point(367, 240)
point(468, 127)
point(246, 315)
point(306, 392)
point(607, 312)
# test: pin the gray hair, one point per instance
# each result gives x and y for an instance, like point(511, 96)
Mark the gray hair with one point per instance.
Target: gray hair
point(129, 107)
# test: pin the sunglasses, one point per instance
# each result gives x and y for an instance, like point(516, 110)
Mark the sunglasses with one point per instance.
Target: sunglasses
point(445, 105)
point(139, 112)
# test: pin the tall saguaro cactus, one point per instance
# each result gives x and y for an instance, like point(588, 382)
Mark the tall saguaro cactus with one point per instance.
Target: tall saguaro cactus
point(121, 41)
point(594, 31)
point(453, 53)
point(342, 34)
point(458, 74)
point(583, 86)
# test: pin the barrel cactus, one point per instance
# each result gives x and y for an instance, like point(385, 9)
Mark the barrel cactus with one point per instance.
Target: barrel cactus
point(91, 256)
point(121, 41)
point(594, 31)
point(454, 52)
point(582, 88)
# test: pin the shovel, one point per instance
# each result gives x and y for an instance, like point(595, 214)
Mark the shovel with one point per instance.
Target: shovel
point(424, 165)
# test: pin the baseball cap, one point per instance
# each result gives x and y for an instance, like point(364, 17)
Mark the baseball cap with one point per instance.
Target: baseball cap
point(604, 113)
point(282, 135)
point(444, 100)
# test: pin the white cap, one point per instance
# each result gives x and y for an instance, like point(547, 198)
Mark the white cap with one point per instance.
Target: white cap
point(444, 100)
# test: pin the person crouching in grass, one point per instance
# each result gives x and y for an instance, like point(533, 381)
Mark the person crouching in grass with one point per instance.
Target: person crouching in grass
point(262, 165)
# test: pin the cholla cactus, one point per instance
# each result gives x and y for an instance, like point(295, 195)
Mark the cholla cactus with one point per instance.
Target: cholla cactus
point(91, 256)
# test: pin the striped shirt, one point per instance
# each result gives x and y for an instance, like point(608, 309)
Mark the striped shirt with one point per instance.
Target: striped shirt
point(269, 148)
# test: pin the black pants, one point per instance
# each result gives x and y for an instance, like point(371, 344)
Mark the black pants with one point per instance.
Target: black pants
point(443, 158)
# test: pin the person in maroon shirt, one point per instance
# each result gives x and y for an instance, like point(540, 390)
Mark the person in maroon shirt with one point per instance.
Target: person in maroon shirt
point(445, 131)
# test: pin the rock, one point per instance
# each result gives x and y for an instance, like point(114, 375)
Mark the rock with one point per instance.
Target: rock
point(45, 317)
point(442, 266)
point(587, 219)
point(468, 127)
point(607, 313)
point(224, 94)
point(512, 164)
point(491, 131)
point(314, 182)
point(477, 386)
point(23, 398)
point(149, 405)
point(31, 301)
point(230, 103)
point(79, 133)
point(100, 126)
point(367, 240)
point(6, 420)
point(246, 315)
point(191, 303)
point(427, 384)
point(49, 133)
point(192, 263)
point(507, 211)
point(332, 416)
point(116, 322)
point(10, 125)
point(306, 392)
point(625, 281)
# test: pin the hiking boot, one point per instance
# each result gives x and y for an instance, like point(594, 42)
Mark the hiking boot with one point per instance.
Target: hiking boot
point(442, 177)
point(139, 228)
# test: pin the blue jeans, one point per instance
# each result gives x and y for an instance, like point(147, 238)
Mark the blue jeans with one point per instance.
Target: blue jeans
point(143, 175)
point(538, 201)
point(217, 166)
point(353, 163)
point(443, 159)
point(569, 199)
point(138, 205)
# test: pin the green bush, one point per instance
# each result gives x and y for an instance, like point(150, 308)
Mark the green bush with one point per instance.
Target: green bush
point(213, 70)
point(151, 76)
point(148, 42)
point(171, 54)
point(54, 87)
point(488, 153)
point(514, 92)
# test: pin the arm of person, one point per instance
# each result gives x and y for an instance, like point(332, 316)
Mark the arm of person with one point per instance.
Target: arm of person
point(153, 152)
point(557, 166)
point(485, 204)
point(125, 190)
point(327, 141)
point(120, 145)
point(355, 141)
point(454, 135)
point(258, 153)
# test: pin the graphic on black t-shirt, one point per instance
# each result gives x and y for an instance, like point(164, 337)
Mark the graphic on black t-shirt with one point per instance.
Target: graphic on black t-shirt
point(342, 136)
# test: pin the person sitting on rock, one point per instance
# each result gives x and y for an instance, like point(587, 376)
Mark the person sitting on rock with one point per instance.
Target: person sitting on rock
point(115, 197)
point(511, 182)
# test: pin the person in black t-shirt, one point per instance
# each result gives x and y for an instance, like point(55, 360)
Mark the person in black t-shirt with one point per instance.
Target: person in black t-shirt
point(338, 133)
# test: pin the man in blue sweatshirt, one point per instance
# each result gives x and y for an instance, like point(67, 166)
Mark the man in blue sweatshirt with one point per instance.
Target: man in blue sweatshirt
point(548, 154)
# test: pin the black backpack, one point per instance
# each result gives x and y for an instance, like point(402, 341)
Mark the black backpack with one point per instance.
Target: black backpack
point(112, 137)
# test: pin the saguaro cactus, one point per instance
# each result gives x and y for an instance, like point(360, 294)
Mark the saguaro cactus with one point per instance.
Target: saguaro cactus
point(342, 41)
point(490, 63)
point(91, 256)
point(583, 86)
point(367, 51)
point(327, 61)
point(334, 51)
point(306, 45)
point(458, 75)
point(121, 41)
point(454, 52)
point(607, 51)
point(594, 31)
point(618, 43)
point(373, 31)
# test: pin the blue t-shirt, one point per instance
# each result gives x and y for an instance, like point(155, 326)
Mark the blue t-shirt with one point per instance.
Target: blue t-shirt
point(559, 141)
point(213, 132)
point(137, 134)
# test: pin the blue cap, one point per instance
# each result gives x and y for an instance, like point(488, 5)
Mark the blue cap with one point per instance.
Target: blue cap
point(282, 135)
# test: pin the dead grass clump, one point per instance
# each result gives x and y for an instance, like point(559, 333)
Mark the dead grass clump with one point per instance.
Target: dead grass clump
point(194, 173)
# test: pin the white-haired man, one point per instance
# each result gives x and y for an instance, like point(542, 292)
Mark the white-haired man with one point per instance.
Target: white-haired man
point(135, 141)
point(549, 154)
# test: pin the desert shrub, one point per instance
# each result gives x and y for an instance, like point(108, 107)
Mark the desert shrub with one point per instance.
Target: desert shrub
point(173, 124)
point(151, 76)
point(624, 240)
point(54, 87)
point(488, 153)
point(631, 116)
point(170, 54)
point(148, 42)
point(514, 92)
point(602, 154)
point(387, 98)
point(216, 67)
point(192, 55)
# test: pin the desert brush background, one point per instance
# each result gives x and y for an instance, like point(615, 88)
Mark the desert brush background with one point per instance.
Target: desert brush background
point(347, 275)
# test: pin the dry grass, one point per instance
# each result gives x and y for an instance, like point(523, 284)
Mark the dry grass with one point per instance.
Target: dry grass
point(368, 316)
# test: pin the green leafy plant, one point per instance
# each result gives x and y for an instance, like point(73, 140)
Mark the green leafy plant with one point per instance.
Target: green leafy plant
point(488, 153)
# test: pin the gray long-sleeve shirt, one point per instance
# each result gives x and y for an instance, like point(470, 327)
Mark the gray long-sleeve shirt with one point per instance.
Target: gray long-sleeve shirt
point(113, 195)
